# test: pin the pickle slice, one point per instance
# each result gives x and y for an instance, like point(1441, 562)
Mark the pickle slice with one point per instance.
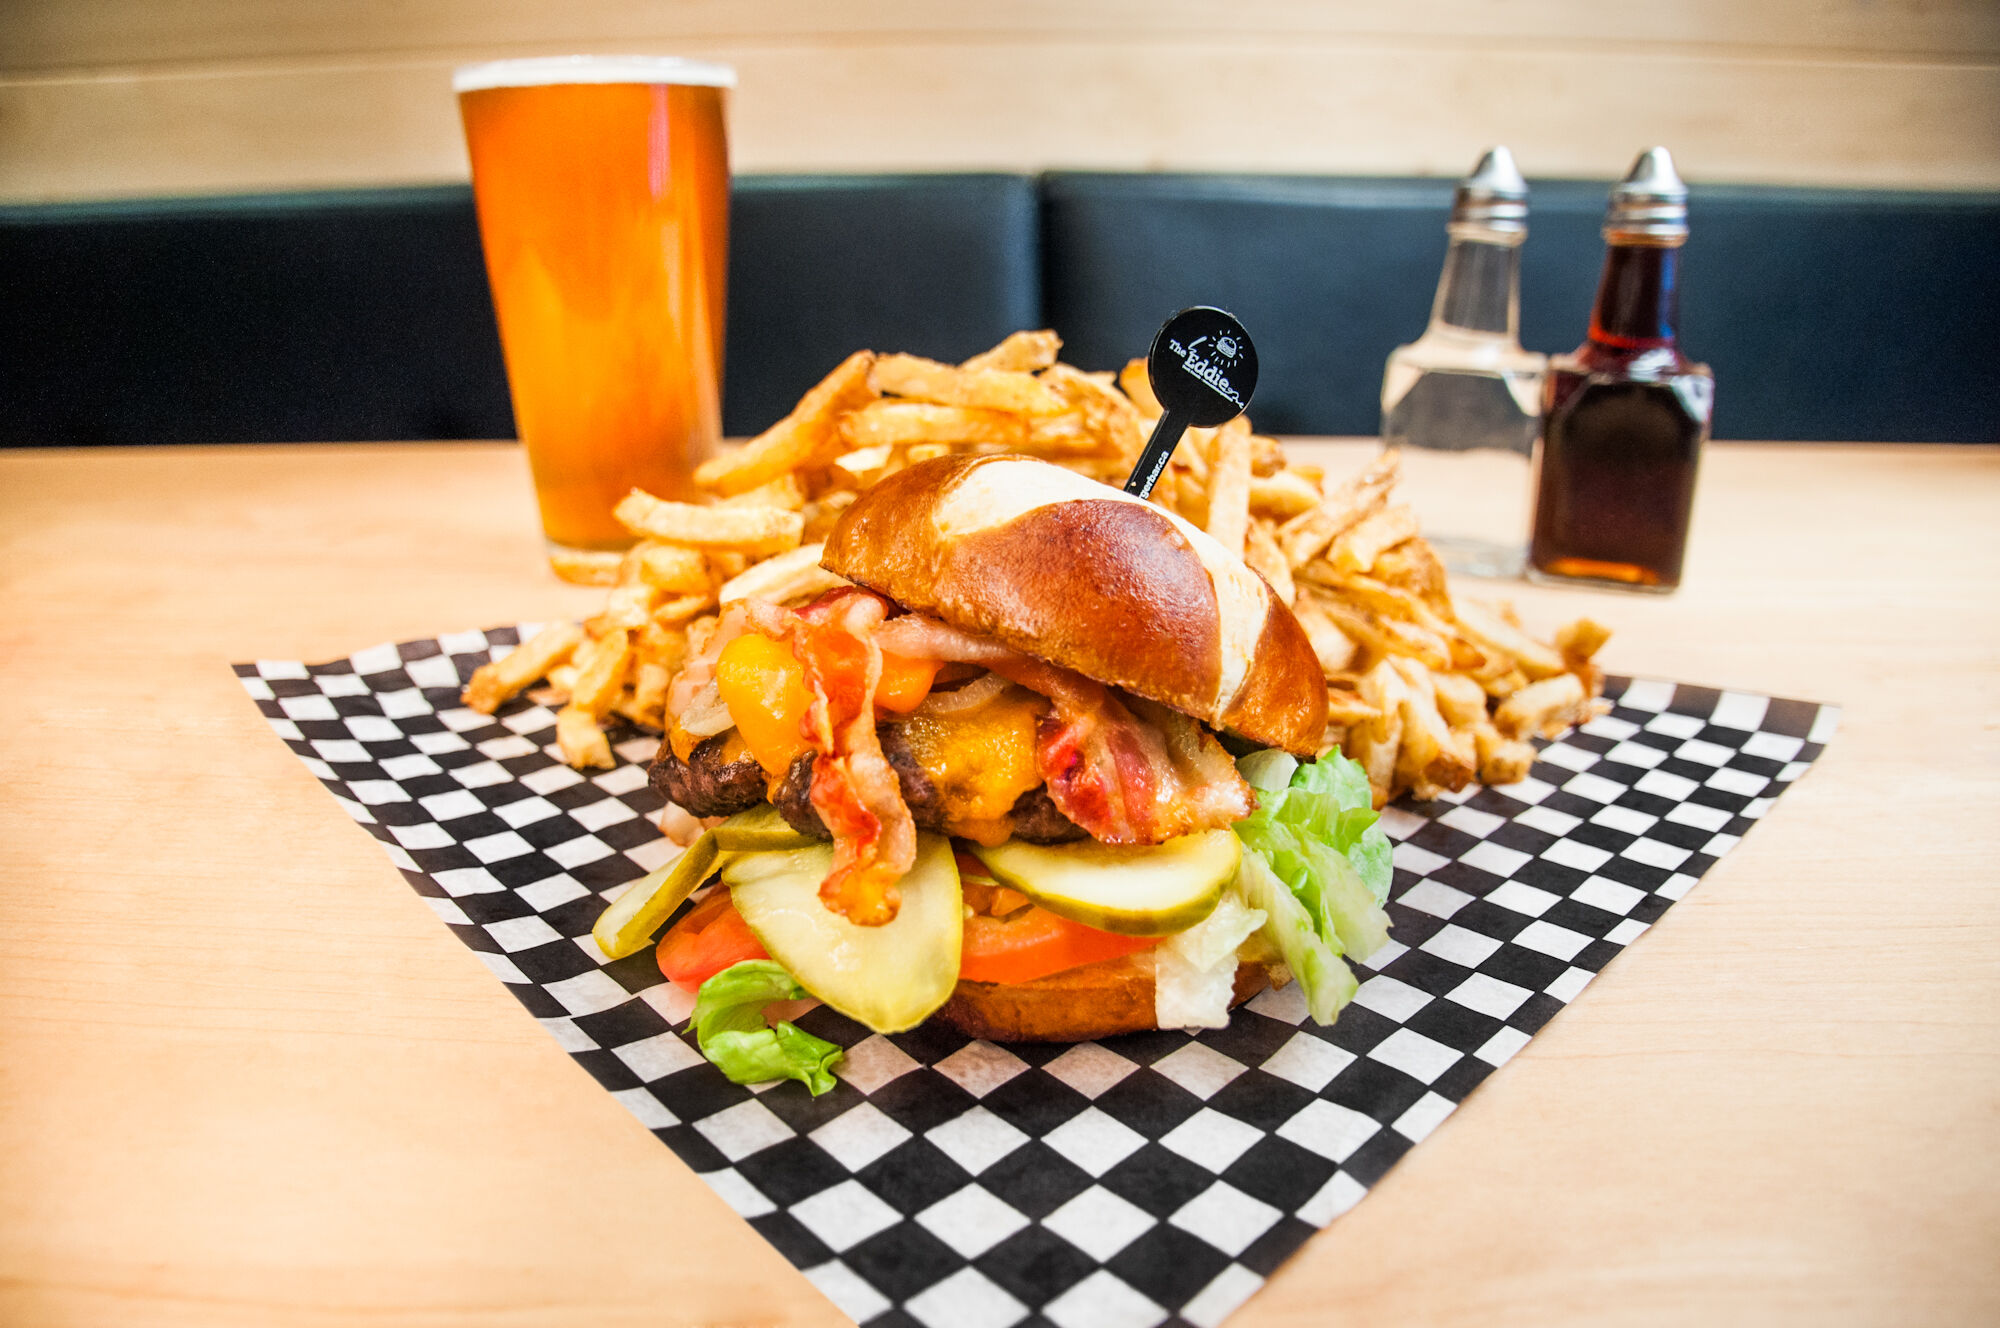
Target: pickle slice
point(760, 830)
point(889, 977)
point(1148, 890)
point(627, 926)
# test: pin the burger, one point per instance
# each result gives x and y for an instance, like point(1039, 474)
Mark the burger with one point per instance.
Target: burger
point(994, 778)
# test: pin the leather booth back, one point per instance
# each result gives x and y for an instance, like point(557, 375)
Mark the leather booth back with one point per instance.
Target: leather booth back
point(1826, 314)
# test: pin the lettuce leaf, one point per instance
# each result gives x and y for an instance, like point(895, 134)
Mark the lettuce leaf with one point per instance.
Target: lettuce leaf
point(1327, 982)
point(729, 1026)
point(1194, 971)
point(1316, 834)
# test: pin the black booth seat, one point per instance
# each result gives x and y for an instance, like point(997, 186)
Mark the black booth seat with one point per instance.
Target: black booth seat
point(1840, 314)
point(279, 318)
point(366, 315)
point(822, 265)
point(1826, 314)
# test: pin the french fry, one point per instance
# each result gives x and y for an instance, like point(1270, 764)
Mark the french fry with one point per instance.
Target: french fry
point(785, 492)
point(1021, 352)
point(1488, 629)
point(675, 611)
point(902, 423)
point(789, 576)
point(1357, 548)
point(1414, 566)
point(752, 530)
point(1261, 551)
point(1387, 636)
point(919, 379)
point(1431, 757)
point(1378, 598)
point(800, 440)
point(645, 705)
point(1229, 486)
point(1376, 745)
point(585, 567)
point(658, 643)
point(1137, 385)
point(823, 511)
point(1460, 699)
point(672, 569)
point(1502, 760)
point(601, 666)
point(1306, 534)
point(627, 608)
point(493, 685)
point(1335, 648)
point(1267, 456)
point(1546, 707)
point(1283, 495)
point(1108, 414)
point(863, 467)
point(1579, 641)
point(1347, 709)
point(1059, 437)
point(582, 742)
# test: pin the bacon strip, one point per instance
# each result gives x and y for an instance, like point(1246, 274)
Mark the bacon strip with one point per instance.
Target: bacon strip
point(1126, 778)
point(854, 788)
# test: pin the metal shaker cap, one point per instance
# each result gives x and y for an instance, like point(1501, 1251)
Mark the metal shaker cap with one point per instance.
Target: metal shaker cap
point(1494, 197)
point(1649, 206)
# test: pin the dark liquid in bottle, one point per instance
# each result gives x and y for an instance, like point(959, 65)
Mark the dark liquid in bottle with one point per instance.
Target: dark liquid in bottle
point(1615, 487)
point(1624, 418)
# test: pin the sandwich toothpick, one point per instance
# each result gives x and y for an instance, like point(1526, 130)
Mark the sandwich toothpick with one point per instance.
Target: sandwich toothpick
point(1203, 369)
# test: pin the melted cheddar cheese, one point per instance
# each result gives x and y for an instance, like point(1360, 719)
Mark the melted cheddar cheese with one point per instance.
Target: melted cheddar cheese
point(981, 762)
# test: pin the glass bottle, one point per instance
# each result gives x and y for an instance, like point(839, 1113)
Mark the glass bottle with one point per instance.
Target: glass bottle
point(1466, 383)
point(1625, 414)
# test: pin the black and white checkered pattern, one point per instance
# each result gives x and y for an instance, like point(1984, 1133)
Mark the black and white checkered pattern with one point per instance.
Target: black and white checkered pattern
point(1157, 1178)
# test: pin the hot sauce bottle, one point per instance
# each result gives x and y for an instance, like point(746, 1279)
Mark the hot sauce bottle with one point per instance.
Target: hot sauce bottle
point(1624, 416)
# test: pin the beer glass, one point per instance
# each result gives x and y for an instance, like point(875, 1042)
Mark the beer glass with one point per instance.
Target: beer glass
point(602, 185)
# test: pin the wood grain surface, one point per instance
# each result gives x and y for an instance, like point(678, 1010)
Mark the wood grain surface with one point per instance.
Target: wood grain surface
point(247, 1079)
point(110, 98)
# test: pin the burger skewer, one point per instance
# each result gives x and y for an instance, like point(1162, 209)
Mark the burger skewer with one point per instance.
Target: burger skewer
point(1203, 369)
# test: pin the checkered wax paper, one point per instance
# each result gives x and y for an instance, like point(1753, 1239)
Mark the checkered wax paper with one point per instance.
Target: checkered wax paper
point(1156, 1178)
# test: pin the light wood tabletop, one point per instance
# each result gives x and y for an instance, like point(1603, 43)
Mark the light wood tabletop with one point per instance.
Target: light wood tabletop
point(246, 1078)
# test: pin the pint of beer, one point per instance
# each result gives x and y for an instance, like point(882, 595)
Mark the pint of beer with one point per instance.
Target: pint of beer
point(602, 185)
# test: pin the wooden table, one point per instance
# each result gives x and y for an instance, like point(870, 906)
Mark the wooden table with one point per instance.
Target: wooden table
point(246, 1078)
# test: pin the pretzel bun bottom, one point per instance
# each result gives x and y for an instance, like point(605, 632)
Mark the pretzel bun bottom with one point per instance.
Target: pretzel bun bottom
point(1095, 1001)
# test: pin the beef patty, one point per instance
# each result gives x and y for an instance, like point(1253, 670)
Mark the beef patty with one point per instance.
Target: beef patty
point(706, 785)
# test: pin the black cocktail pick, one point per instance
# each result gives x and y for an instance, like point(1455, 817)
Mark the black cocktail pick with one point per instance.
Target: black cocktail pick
point(1203, 369)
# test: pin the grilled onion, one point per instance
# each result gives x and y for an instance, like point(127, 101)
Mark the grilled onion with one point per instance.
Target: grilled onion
point(980, 692)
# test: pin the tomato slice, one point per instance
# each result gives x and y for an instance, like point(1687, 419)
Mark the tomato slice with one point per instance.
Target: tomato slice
point(1034, 943)
point(706, 941)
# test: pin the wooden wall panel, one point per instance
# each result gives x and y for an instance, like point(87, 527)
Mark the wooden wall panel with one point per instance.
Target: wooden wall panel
point(102, 98)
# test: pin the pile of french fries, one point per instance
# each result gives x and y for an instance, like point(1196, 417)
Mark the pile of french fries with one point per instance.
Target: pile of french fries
point(1426, 691)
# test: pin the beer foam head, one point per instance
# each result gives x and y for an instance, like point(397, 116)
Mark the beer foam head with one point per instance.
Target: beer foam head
point(539, 71)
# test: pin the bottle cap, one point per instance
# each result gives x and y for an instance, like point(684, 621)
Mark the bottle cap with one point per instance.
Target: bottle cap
point(1494, 196)
point(1649, 206)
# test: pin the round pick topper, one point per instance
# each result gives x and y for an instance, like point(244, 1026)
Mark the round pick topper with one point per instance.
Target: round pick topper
point(1203, 369)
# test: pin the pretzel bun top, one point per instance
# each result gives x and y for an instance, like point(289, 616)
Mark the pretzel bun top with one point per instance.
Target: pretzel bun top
point(1077, 573)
